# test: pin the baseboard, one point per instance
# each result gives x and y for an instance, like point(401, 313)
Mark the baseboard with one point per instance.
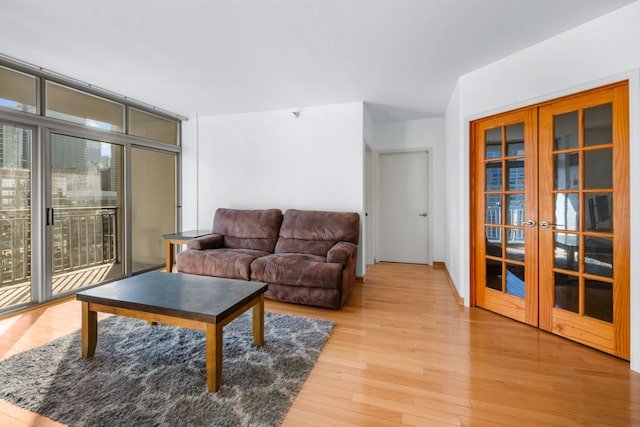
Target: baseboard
point(442, 266)
point(360, 279)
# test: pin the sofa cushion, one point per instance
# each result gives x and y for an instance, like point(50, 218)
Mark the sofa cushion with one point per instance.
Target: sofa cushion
point(315, 232)
point(223, 262)
point(297, 270)
point(299, 246)
point(248, 229)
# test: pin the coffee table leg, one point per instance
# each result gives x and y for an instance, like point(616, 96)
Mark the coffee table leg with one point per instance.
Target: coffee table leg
point(89, 330)
point(214, 356)
point(258, 322)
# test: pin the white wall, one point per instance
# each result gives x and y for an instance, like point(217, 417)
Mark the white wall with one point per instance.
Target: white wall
point(427, 134)
point(601, 51)
point(455, 217)
point(368, 126)
point(189, 173)
point(272, 159)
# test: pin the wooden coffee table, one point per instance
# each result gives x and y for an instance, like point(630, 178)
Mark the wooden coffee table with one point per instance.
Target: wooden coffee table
point(185, 300)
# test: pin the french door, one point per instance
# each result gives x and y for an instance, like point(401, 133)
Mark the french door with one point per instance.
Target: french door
point(507, 239)
point(551, 237)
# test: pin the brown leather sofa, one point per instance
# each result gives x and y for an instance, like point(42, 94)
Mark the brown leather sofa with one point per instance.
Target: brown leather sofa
point(306, 257)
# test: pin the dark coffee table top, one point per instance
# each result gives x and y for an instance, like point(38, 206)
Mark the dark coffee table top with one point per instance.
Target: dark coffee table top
point(187, 296)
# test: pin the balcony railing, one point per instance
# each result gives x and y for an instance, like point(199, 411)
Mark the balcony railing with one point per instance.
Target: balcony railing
point(81, 238)
point(494, 216)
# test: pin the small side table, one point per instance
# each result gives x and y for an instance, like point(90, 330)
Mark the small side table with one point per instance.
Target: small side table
point(179, 238)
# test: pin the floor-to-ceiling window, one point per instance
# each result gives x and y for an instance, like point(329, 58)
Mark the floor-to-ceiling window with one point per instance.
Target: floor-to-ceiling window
point(88, 185)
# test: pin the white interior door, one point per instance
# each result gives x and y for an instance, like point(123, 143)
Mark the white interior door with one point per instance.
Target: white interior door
point(403, 227)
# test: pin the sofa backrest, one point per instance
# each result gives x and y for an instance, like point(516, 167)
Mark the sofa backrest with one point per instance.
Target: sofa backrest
point(248, 229)
point(315, 232)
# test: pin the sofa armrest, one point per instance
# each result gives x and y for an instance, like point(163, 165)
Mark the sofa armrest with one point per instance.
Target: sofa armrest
point(342, 252)
point(210, 241)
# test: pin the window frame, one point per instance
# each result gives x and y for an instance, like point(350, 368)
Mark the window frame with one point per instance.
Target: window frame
point(44, 76)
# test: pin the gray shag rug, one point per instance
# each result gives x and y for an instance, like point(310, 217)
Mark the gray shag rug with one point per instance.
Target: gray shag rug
point(145, 375)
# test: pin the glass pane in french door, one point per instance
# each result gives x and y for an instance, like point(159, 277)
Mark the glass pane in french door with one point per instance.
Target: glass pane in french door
point(584, 208)
point(504, 198)
point(85, 218)
point(15, 215)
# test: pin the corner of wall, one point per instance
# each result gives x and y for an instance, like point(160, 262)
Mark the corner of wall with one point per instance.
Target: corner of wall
point(455, 241)
point(368, 126)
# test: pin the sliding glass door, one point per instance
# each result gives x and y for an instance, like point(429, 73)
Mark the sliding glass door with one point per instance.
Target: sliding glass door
point(84, 214)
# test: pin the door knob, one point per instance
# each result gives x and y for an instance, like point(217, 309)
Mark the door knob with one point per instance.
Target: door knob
point(422, 214)
point(530, 223)
point(546, 224)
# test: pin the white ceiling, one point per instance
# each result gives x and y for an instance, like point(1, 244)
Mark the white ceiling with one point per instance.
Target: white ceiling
point(402, 57)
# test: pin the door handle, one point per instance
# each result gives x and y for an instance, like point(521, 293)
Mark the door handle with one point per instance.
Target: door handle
point(530, 223)
point(422, 214)
point(50, 216)
point(546, 224)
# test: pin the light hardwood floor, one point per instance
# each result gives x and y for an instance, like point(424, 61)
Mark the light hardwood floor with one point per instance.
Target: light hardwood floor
point(405, 353)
